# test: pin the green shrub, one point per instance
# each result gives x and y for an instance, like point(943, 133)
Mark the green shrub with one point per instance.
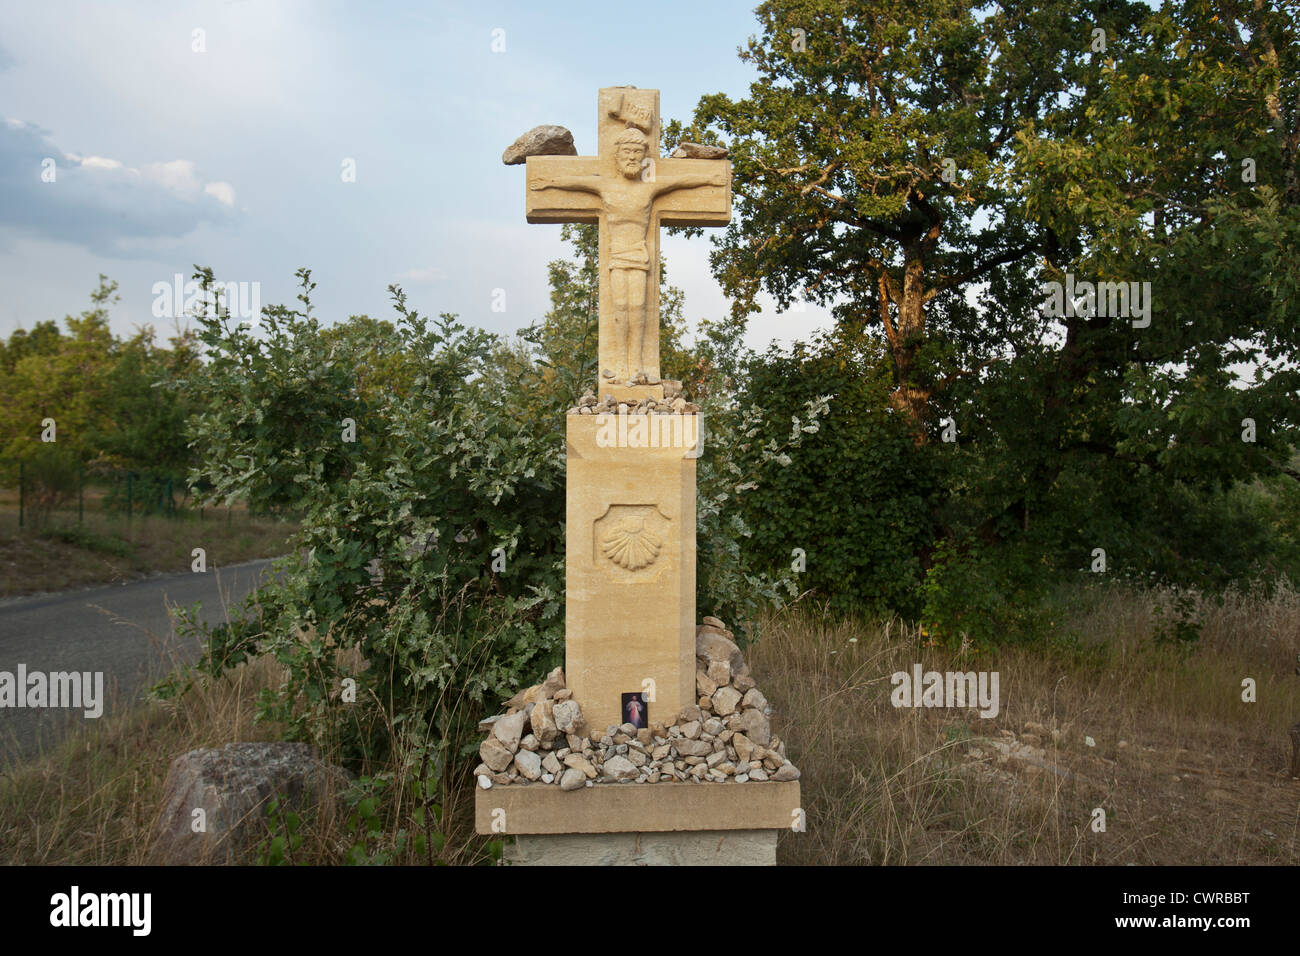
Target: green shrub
point(82, 537)
point(430, 546)
point(51, 476)
point(978, 596)
point(857, 499)
point(145, 493)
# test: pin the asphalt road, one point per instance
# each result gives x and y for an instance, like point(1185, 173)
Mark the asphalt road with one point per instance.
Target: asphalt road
point(123, 631)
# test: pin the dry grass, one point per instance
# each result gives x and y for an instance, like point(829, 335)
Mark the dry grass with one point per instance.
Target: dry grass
point(96, 798)
point(1185, 771)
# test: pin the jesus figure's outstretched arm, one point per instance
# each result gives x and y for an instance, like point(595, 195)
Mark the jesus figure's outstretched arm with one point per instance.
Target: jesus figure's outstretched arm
point(585, 184)
point(688, 182)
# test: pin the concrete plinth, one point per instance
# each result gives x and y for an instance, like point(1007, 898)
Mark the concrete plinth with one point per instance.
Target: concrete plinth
point(636, 807)
point(699, 848)
point(641, 824)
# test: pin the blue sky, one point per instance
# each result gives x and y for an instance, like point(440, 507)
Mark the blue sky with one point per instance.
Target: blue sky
point(232, 157)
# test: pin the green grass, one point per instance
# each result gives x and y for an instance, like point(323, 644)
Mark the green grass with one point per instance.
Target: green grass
point(79, 536)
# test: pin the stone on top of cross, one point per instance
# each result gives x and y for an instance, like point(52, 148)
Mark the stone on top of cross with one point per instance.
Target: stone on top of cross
point(629, 191)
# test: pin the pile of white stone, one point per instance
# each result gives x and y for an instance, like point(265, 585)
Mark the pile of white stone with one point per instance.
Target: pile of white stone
point(725, 737)
point(671, 404)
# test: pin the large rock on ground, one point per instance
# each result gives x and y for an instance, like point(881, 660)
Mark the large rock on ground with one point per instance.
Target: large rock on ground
point(232, 787)
point(540, 141)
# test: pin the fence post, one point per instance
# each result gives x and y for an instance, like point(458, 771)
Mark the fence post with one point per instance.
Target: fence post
point(22, 490)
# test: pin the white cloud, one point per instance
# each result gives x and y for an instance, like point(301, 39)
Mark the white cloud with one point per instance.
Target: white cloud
point(176, 176)
point(98, 201)
point(224, 193)
point(96, 162)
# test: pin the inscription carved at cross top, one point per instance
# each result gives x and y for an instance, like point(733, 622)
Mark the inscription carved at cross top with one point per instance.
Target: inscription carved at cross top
point(629, 191)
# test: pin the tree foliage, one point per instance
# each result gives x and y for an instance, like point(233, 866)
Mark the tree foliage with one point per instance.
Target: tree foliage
point(102, 393)
point(925, 169)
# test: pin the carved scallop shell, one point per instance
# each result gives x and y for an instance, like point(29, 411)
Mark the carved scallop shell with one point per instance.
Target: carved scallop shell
point(631, 545)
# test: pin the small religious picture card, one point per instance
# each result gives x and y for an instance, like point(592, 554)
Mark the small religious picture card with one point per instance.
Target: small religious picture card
point(634, 710)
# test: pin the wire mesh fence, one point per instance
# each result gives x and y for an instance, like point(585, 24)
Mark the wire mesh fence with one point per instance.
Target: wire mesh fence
point(32, 492)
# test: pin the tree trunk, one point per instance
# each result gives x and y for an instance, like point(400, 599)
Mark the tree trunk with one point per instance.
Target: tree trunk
point(905, 337)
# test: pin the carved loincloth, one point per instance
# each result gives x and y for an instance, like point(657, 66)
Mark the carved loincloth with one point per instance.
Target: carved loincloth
point(637, 257)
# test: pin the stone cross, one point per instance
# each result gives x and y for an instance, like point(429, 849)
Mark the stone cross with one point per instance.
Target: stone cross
point(630, 636)
point(629, 629)
point(629, 191)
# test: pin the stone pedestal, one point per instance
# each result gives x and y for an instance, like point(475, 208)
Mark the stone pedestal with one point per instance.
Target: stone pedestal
point(638, 824)
point(630, 564)
point(704, 848)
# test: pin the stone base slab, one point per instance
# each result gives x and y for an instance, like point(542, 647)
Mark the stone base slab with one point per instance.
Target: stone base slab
point(698, 848)
point(631, 808)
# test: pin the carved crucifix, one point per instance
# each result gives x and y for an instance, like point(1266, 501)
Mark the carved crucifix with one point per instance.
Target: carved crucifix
point(629, 191)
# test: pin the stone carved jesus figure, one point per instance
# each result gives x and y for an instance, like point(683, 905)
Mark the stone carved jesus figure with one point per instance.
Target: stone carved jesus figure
point(627, 202)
